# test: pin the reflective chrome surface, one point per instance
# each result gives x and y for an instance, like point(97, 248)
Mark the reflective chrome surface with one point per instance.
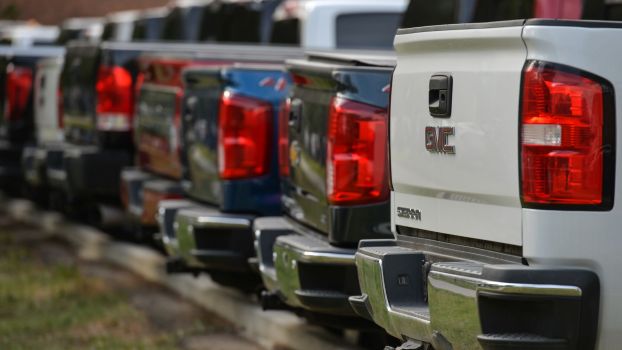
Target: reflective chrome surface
point(287, 256)
point(451, 314)
point(189, 219)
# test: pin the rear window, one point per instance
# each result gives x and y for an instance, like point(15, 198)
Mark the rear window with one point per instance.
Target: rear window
point(148, 29)
point(427, 13)
point(140, 30)
point(424, 13)
point(499, 10)
point(66, 35)
point(173, 25)
point(614, 13)
point(366, 30)
point(610, 10)
point(183, 24)
point(109, 31)
point(286, 32)
point(239, 23)
point(191, 23)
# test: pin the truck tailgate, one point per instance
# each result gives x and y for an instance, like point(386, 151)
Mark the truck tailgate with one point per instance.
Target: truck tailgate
point(457, 174)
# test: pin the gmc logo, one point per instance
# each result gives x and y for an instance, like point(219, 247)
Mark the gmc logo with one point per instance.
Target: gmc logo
point(437, 139)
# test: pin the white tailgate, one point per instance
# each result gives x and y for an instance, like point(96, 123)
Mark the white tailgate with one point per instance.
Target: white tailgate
point(474, 192)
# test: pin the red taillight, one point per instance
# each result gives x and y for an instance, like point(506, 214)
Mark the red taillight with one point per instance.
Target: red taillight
point(284, 138)
point(563, 146)
point(60, 110)
point(357, 153)
point(244, 133)
point(18, 88)
point(115, 99)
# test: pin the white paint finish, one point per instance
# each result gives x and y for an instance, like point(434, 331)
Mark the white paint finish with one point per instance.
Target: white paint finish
point(318, 18)
point(579, 238)
point(474, 220)
point(45, 100)
point(590, 240)
point(474, 192)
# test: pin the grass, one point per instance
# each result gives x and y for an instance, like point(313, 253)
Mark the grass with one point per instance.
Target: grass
point(46, 306)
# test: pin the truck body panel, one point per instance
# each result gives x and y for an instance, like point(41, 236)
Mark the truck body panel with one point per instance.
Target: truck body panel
point(18, 69)
point(580, 238)
point(158, 143)
point(78, 85)
point(216, 235)
point(315, 237)
point(204, 88)
point(317, 83)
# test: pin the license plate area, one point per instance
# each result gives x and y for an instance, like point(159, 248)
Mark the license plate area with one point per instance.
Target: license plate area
point(405, 280)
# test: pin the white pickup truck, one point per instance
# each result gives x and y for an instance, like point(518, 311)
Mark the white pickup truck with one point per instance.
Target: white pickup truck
point(503, 163)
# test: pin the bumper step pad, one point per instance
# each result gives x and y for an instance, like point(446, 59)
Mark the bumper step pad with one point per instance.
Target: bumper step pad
point(525, 341)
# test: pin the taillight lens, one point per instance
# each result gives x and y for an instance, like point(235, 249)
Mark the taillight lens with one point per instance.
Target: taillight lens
point(565, 149)
point(115, 99)
point(244, 134)
point(284, 138)
point(18, 88)
point(357, 153)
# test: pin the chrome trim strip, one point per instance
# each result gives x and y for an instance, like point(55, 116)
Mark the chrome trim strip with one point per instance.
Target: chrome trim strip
point(216, 221)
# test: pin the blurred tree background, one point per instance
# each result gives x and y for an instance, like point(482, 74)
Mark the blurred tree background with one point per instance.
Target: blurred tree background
point(9, 12)
point(55, 11)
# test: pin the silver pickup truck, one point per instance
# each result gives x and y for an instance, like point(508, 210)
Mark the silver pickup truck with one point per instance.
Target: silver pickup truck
point(504, 187)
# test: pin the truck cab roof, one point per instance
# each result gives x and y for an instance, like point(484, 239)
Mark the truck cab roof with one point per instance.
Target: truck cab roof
point(119, 25)
point(89, 28)
point(29, 34)
point(321, 24)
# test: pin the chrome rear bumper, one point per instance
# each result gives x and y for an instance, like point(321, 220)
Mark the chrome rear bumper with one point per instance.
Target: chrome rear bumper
point(305, 271)
point(211, 240)
point(167, 210)
point(132, 181)
point(473, 305)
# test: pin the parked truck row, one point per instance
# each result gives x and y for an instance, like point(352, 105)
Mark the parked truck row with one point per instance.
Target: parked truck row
point(457, 192)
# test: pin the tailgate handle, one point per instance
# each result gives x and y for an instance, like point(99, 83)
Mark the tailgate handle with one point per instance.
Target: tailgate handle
point(440, 95)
